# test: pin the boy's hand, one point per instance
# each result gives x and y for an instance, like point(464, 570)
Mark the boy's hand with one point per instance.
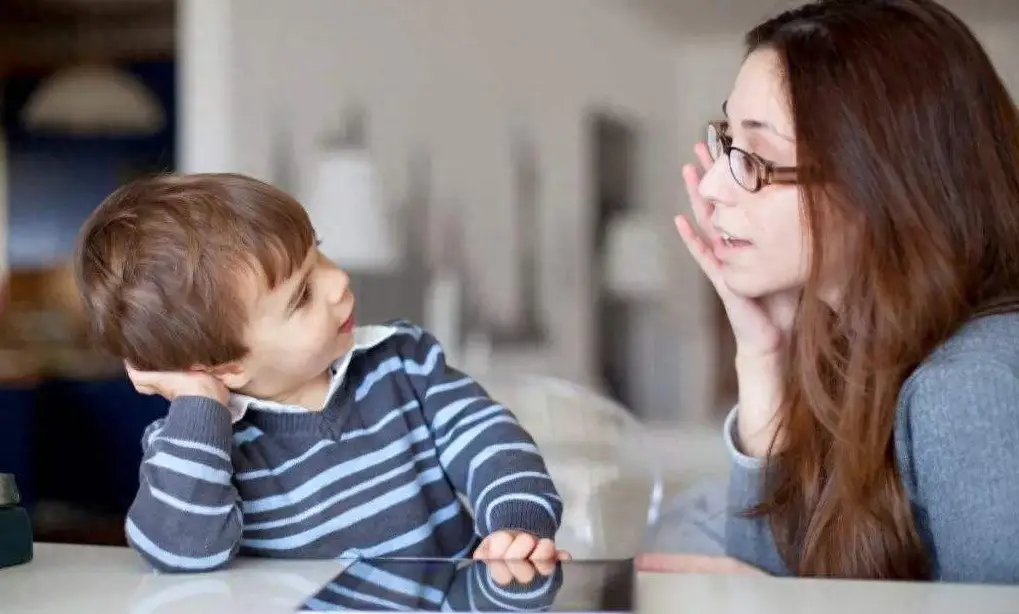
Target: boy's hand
point(519, 572)
point(519, 546)
point(173, 384)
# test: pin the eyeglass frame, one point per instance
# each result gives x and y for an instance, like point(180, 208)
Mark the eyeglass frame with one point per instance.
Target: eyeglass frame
point(768, 173)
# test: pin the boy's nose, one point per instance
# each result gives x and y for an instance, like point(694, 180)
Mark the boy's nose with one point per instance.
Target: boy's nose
point(338, 286)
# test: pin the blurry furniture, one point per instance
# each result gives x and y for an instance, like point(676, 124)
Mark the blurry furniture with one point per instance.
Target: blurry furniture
point(70, 421)
point(17, 425)
point(623, 483)
point(692, 522)
point(591, 446)
point(612, 471)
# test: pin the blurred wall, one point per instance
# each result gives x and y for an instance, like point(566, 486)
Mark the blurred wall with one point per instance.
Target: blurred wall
point(264, 80)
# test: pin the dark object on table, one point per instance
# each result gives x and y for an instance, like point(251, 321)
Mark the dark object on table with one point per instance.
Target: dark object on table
point(15, 525)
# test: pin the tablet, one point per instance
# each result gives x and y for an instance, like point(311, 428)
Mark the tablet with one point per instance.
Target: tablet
point(401, 585)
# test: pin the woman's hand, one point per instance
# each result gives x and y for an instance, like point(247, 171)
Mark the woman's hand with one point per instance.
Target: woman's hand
point(694, 563)
point(760, 325)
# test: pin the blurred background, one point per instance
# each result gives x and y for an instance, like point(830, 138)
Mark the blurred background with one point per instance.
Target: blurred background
point(504, 172)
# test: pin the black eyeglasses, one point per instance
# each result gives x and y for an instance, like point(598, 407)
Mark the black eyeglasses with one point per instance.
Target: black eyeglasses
point(750, 171)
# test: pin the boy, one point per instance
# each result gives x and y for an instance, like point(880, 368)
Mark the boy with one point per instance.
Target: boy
point(292, 432)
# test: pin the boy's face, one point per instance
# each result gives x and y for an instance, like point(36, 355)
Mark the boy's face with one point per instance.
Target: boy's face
point(295, 331)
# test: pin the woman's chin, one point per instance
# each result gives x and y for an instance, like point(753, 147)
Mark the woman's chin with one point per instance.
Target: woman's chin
point(753, 286)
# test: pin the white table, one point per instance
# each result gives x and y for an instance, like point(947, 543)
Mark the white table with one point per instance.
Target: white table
point(97, 580)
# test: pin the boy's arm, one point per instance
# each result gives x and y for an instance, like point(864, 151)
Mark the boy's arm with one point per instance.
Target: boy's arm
point(488, 456)
point(186, 515)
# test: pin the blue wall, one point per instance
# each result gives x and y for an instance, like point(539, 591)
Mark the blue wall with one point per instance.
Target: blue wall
point(55, 182)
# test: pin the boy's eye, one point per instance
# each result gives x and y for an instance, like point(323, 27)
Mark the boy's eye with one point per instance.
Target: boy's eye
point(305, 297)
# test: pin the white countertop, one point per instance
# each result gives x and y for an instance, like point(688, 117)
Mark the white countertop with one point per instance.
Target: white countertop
point(98, 580)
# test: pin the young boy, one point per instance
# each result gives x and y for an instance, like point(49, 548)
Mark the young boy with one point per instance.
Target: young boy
point(292, 432)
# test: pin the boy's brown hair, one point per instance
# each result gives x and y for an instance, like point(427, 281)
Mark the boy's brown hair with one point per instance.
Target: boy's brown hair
point(160, 264)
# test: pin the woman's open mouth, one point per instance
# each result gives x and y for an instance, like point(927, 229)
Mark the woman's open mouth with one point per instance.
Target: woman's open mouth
point(727, 243)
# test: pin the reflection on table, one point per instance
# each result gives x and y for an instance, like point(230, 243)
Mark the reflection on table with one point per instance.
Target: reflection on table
point(471, 586)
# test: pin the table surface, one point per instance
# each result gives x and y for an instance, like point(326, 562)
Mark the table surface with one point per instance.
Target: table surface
point(107, 580)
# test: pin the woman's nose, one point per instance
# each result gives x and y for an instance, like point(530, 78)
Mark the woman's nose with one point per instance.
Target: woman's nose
point(718, 186)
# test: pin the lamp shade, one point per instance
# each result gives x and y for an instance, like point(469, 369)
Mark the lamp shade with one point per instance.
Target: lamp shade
point(345, 205)
point(635, 259)
point(94, 101)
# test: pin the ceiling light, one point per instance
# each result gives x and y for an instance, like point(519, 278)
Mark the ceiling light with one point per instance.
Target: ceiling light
point(94, 101)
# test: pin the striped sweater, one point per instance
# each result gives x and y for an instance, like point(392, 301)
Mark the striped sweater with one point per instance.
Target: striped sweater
point(377, 473)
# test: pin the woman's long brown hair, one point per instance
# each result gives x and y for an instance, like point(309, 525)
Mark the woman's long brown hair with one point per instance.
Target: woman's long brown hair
point(910, 143)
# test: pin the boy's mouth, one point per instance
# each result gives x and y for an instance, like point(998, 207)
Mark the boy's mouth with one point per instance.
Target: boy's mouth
point(348, 324)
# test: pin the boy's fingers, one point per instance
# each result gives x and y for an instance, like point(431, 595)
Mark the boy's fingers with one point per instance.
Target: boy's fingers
point(545, 567)
point(544, 551)
point(499, 572)
point(521, 547)
point(497, 545)
point(481, 552)
point(523, 571)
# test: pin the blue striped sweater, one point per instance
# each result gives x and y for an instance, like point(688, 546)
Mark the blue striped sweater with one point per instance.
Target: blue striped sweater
point(377, 473)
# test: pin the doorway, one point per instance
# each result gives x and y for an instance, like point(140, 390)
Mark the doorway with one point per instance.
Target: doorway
point(614, 145)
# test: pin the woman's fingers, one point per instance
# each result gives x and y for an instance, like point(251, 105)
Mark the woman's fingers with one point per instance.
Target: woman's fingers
point(694, 563)
point(703, 157)
point(692, 175)
point(702, 210)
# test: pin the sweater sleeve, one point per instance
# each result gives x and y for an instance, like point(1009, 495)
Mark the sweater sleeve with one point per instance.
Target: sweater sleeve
point(486, 453)
point(186, 515)
point(957, 439)
point(747, 539)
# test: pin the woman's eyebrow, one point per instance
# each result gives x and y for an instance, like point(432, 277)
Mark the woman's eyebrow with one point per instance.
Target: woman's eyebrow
point(757, 124)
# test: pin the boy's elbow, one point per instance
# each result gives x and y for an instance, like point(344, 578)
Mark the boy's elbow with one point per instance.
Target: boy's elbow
point(178, 564)
point(201, 556)
point(166, 567)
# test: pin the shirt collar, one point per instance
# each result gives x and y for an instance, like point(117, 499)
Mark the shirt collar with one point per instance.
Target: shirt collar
point(365, 337)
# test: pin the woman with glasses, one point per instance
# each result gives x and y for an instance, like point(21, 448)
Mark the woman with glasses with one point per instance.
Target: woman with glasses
point(858, 215)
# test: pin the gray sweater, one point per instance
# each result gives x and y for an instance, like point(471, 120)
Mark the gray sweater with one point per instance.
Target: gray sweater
point(957, 447)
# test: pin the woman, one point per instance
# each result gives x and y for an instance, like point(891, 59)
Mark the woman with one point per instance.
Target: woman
point(859, 217)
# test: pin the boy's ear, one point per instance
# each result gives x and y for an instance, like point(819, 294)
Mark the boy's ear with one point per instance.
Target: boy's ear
point(231, 374)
